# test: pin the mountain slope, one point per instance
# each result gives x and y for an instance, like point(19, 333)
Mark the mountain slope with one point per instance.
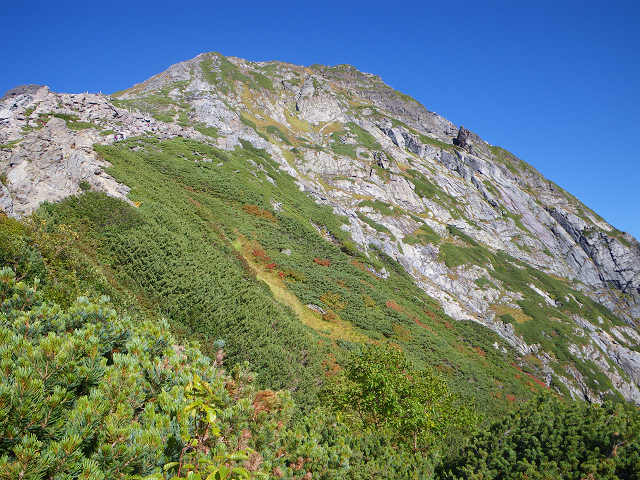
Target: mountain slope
point(536, 280)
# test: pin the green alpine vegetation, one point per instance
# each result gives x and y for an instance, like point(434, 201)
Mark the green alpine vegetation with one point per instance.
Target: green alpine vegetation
point(310, 277)
point(99, 388)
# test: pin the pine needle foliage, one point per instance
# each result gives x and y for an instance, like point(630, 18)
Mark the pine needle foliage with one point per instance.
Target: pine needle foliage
point(549, 439)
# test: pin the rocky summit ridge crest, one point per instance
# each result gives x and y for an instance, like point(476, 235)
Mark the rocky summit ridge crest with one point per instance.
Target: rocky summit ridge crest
point(445, 204)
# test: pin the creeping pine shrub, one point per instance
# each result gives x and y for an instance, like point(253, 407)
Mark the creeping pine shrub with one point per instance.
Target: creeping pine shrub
point(552, 439)
point(87, 393)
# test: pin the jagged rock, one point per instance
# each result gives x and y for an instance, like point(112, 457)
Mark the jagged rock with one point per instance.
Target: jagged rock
point(21, 90)
point(628, 360)
point(381, 160)
point(615, 263)
point(461, 139)
point(316, 308)
point(49, 165)
point(314, 107)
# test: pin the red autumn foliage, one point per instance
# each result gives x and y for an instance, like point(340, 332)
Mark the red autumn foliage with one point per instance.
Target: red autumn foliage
point(394, 306)
point(322, 262)
point(538, 381)
point(422, 324)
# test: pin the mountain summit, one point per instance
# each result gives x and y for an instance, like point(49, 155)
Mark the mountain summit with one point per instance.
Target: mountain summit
point(478, 232)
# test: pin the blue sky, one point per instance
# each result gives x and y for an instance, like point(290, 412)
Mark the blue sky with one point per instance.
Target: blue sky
point(555, 82)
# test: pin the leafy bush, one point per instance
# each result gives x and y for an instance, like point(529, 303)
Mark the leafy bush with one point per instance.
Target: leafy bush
point(424, 188)
point(462, 236)
point(18, 251)
point(163, 117)
point(208, 131)
point(248, 122)
point(413, 407)
point(262, 80)
point(346, 149)
point(364, 138)
point(371, 223)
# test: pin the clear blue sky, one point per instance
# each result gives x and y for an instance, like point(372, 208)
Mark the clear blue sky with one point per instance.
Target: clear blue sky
point(555, 82)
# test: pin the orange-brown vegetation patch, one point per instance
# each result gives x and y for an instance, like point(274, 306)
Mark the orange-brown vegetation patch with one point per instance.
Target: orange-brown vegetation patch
point(259, 212)
point(330, 316)
point(422, 324)
point(392, 304)
point(265, 401)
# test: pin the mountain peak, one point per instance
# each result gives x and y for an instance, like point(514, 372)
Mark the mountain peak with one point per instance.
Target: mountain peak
point(477, 229)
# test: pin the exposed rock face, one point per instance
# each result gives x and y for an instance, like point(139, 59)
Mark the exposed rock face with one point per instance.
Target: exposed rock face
point(352, 141)
point(382, 161)
point(50, 164)
point(461, 139)
point(372, 89)
point(615, 263)
point(50, 160)
point(21, 90)
point(317, 106)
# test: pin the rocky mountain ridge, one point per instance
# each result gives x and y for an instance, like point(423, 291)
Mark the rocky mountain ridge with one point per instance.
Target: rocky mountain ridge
point(437, 198)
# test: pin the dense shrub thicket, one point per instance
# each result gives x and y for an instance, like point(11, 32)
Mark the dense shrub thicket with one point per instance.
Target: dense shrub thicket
point(550, 439)
point(87, 393)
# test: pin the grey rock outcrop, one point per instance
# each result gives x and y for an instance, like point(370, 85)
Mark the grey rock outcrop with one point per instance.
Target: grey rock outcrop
point(21, 90)
point(49, 161)
point(50, 164)
point(616, 264)
point(461, 139)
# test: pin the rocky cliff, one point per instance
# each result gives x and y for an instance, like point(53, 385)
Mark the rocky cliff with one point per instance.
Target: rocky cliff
point(477, 228)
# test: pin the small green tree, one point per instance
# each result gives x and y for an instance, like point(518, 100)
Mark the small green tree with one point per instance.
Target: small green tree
point(386, 391)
